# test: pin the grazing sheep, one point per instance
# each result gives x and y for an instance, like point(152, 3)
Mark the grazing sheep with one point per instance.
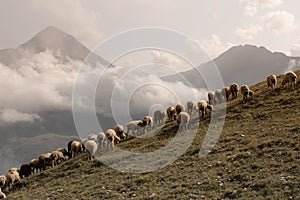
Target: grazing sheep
point(92, 137)
point(11, 178)
point(218, 96)
point(64, 152)
point(2, 181)
point(101, 139)
point(202, 107)
point(171, 112)
point(226, 93)
point(120, 132)
point(69, 148)
point(179, 108)
point(56, 158)
point(76, 148)
point(25, 170)
point(234, 88)
point(91, 146)
point(34, 165)
point(2, 195)
point(290, 78)
point(159, 116)
point(44, 161)
point(147, 122)
point(111, 136)
point(271, 81)
point(245, 91)
point(134, 126)
point(183, 121)
point(211, 98)
point(191, 106)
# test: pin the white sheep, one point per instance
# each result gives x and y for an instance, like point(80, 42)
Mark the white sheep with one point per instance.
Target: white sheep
point(133, 126)
point(159, 116)
point(147, 122)
point(179, 108)
point(191, 106)
point(218, 96)
point(91, 146)
point(76, 148)
point(56, 158)
point(271, 81)
point(92, 137)
point(111, 136)
point(234, 88)
point(290, 78)
point(101, 140)
point(120, 132)
point(202, 108)
point(2, 181)
point(183, 121)
point(245, 91)
point(2, 195)
point(11, 178)
point(44, 161)
point(171, 112)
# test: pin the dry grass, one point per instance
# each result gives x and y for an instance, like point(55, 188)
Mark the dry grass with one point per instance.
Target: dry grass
point(257, 156)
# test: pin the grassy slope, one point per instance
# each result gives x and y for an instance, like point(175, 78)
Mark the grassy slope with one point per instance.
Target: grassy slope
point(257, 156)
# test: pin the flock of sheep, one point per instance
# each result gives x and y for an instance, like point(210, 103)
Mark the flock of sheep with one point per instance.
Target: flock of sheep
point(101, 141)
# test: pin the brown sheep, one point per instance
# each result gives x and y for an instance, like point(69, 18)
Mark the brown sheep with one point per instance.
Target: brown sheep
point(2, 181)
point(171, 112)
point(211, 98)
point(44, 161)
point(290, 78)
point(271, 81)
point(111, 136)
point(76, 148)
point(202, 108)
point(11, 178)
point(56, 158)
point(245, 91)
point(179, 108)
point(183, 121)
point(34, 165)
point(191, 106)
point(147, 122)
point(234, 88)
point(25, 170)
point(159, 116)
point(120, 132)
point(226, 93)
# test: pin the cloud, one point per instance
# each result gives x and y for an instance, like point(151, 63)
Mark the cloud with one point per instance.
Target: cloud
point(262, 3)
point(249, 32)
point(71, 16)
point(279, 22)
point(13, 116)
point(250, 10)
point(214, 46)
point(295, 49)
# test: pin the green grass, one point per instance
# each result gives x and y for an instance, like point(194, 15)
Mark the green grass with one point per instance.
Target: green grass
point(257, 156)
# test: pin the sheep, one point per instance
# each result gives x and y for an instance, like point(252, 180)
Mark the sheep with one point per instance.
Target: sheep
point(69, 148)
point(11, 178)
point(34, 165)
point(179, 108)
point(191, 106)
point(2, 181)
point(91, 146)
point(202, 108)
point(147, 122)
point(2, 195)
point(76, 148)
point(101, 139)
point(120, 132)
point(234, 88)
point(271, 81)
point(92, 137)
point(226, 93)
point(218, 96)
point(211, 98)
point(134, 126)
point(171, 112)
point(25, 170)
point(111, 136)
point(44, 161)
point(183, 121)
point(159, 116)
point(56, 158)
point(64, 152)
point(290, 78)
point(245, 91)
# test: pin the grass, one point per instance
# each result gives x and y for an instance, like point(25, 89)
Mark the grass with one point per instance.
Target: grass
point(257, 156)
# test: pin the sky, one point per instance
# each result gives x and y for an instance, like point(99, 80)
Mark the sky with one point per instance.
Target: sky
point(216, 25)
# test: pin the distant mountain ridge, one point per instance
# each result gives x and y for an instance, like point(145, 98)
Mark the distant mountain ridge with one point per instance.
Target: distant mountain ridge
point(62, 44)
point(244, 64)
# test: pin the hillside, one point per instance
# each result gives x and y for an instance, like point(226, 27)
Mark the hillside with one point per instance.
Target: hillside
point(257, 156)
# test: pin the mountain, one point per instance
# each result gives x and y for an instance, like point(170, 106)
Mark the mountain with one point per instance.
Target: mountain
point(244, 64)
point(62, 44)
point(255, 157)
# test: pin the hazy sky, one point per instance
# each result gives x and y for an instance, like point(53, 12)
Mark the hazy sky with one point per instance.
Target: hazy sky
point(215, 24)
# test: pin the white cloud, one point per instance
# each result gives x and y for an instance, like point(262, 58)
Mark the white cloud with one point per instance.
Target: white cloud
point(13, 116)
point(250, 10)
point(214, 46)
point(71, 16)
point(279, 22)
point(263, 3)
point(295, 49)
point(249, 32)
